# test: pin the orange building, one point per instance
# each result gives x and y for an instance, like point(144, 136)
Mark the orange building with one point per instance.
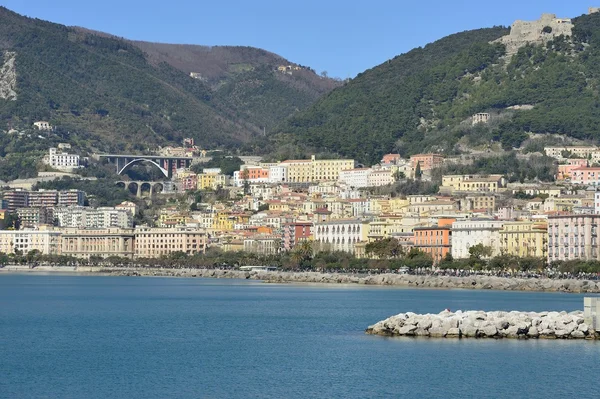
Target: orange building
point(255, 173)
point(390, 158)
point(427, 161)
point(435, 240)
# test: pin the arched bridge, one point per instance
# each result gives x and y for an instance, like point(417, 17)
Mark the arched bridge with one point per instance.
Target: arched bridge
point(167, 165)
point(142, 188)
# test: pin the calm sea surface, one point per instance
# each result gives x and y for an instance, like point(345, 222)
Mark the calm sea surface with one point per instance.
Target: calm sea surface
point(124, 337)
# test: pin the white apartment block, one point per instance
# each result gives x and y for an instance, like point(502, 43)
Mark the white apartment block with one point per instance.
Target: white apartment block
point(46, 241)
point(468, 233)
point(356, 178)
point(341, 234)
point(62, 160)
point(93, 218)
point(278, 174)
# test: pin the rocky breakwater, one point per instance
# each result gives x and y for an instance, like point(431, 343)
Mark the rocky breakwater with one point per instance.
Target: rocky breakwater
point(480, 324)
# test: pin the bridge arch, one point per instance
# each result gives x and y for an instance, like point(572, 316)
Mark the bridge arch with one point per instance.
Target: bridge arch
point(139, 160)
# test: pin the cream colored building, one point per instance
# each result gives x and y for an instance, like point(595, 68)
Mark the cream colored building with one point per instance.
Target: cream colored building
point(316, 170)
point(472, 183)
point(340, 235)
point(156, 242)
point(44, 240)
point(104, 243)
point(578, 151)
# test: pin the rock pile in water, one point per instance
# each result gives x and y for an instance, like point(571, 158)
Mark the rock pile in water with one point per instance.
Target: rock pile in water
point(480, 324)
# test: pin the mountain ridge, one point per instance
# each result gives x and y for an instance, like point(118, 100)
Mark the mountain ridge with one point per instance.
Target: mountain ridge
point(108, 89)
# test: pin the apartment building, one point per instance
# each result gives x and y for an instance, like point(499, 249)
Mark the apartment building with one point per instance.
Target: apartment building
point(524, 238)
point(586, 176)
point(43, 198)
point(93, 218)
point(471, 232)
point(573, 237)
point(380, 177)
point(33, 217)
point(341, 234)
point(434, 240)
point(157, 242)
point(46, 240)
point(296, 232)
point(356, 178)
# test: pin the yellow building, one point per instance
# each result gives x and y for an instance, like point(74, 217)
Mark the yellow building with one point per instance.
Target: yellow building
point(524, 238)
point(211, 181)
point(316, 170)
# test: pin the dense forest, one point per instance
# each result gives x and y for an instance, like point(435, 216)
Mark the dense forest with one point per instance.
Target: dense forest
point(422, 100)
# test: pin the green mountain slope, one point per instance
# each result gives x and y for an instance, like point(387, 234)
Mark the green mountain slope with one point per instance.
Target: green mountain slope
point(245, 79)
point(126, 99)
point(422, 100)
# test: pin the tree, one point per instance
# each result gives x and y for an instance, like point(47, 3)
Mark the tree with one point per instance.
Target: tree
point(418, 172)
point(303, 253)
point(385, 248)
point(480, 251)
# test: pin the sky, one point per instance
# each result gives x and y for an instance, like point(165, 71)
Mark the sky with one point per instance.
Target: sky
point(342, 37)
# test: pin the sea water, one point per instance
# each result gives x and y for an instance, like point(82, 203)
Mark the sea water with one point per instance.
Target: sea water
point(126, 337)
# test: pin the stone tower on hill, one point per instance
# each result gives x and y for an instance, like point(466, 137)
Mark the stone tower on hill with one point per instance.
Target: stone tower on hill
point(535, 32)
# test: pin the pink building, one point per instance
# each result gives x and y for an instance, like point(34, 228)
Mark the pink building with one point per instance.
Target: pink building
point(573, 237)
point(566, 171)
point(586, 176)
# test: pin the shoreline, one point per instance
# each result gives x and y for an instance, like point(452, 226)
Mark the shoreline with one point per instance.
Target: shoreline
point(286, 277)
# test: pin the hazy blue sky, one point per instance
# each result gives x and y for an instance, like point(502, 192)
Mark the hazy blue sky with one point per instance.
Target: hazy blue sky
point(343, 37)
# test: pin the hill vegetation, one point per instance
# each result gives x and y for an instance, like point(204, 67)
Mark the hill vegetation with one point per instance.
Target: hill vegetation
point(124, 99)
point(422, 100)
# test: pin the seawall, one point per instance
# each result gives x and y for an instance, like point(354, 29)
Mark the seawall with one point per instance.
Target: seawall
point(479, 324)
point(389, 279)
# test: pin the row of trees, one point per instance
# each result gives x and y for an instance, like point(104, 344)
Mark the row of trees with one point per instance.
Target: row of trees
point(384, 255)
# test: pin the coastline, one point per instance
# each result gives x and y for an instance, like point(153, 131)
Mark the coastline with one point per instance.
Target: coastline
point(385, 279)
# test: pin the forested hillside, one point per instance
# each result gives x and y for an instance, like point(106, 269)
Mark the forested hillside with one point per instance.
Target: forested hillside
point(111, 91)
point(422, 100)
